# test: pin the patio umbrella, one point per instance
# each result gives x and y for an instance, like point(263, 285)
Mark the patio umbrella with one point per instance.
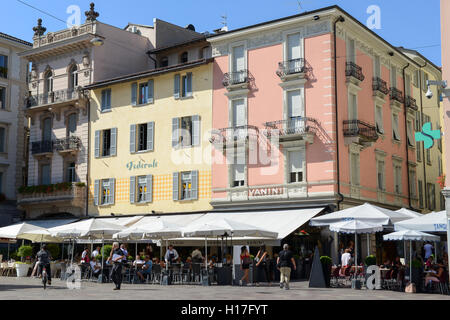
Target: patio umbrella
point(16, 230)
point(366, 212)
point(356, 227)
point(432, 222)
point(39, 235)
point(410, 235)
point(411, 213)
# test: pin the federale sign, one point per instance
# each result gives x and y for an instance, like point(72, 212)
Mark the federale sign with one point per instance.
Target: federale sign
point(133, 165)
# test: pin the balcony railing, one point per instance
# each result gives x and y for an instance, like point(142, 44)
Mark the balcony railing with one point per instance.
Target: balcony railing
point(234, 134)
point(410, 102)
point(353, 70)
point(235, 78)
point(292, 126)
point(75, 193)
point(396, 95)
point(39, 147)
point(354, 128)
point(52, 97)
point(289, 67)
point(380, 85)
point(68, 144)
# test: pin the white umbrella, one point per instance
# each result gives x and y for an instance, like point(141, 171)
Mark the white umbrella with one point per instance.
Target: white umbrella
point(13, 231)
point(159, 230)
point(39, 235)
point(366, 212)
point(432, 222)
point(356, 227)
point(410, 235)
point(411, 213)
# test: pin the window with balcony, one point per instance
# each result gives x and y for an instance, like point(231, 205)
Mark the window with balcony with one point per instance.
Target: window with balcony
point(106, 100)
point(395, 127)
point(71, 175)
point(142, 137)
point(295, 110)
point(296, 166)
point(48, 84)
point(393, 77)
point(377, 67)
point(47, 129)
point(238, 175)
point(379, 119)
point(3, 66)
point(2, 98)
point(351, 50)
point(410, 131)
point(44, 175)
point(73, 77)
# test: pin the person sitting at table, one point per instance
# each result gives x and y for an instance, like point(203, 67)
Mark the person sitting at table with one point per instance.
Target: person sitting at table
point(436, 275)
point(146, 268)
point(138, 261)
point(96, 252)
point(85, 256)
point(228, 260)
point(387, 264)
point(160, 262)
point(188, 264)
point(396, 267)
point(197, 256)
point(95, 267)
point(429, 263)
point(171, 255)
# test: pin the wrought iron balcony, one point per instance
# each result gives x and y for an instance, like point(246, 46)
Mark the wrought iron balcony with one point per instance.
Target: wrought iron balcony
point(358, 128)
point(290, 67)
point(380, 85)
point(234, 134)
point(355, 71)
point(410, 102)
point(40, 147)
point(69, 144)
point(396, 95)
point(52, 97)
point(292, 126)
point(235, 78)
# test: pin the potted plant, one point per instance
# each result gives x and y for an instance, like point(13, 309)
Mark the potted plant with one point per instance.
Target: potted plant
point(21, 267)
point(370, 260)
point(327, 263)
point(106, 251)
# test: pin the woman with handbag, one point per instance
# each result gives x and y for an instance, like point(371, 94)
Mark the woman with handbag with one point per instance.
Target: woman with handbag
point(262, 259)
point(245, 265)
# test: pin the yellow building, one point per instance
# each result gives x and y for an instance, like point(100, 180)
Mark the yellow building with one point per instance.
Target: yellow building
point(149, 147)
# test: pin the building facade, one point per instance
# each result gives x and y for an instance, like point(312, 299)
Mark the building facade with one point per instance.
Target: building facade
point(13, 88)
point(150, 150)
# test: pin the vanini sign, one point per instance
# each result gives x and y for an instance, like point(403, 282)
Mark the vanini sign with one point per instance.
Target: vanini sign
point(133, 165)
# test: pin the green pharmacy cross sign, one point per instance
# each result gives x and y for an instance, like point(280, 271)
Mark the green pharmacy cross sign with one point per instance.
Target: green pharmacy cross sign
point(428, 135)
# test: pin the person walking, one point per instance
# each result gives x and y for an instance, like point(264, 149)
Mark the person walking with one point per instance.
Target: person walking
point(262, 264)
point(245, 265)
point(285, 263)
point(116, 257)
point(44, 259)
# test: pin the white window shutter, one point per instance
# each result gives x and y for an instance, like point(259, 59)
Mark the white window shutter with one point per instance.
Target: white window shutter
point(175, 132)
point(150, 91)
point(97, 143)
point(112, 185)
point(238, 59)
point(150, 135)
point(176, 87)
point(132, 189)
point(175, 186)
point(295, 103)
point(149, 192)
point(113, 141)
point(293, 42)
point(239, 113)
point(134, 94)
point(194, 186)
point(96, 191)
point(239, 172)
point(196, 130)
point(296, 161)
point(133, 138)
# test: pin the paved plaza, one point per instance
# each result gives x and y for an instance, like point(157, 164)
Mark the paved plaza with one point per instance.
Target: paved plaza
point(31, 289)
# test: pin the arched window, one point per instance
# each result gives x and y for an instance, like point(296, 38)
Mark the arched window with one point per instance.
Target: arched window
point(164, 62)
point(184, 57)
point(48, 86)
point(73, 77)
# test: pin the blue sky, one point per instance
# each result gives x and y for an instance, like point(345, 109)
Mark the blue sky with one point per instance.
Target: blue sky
point(413, 24)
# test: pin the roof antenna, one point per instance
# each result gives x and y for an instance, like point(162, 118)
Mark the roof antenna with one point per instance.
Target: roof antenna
point(300, 8)
point(224, 22)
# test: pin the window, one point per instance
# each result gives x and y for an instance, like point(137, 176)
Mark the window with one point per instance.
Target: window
point(1, 182)
point(379, 119)
point(424, 81)
point(418, 126)
point(106, 192)
point(186, 131)
point(238, 175)
point(3, 66)
point(395, 129)
point(184, 57)
point(377, 67)
point(141, 189)
point(294, 53)
point(48, 85)
point(2, 98)
point(431, 196)
point(296, 160)
point(73, 77)
point(412, 184)
point(45, 178)
point(351, 51)
point(420, 187)
point(185, 185)
point(106, 142)
point(142, 137)
point(393, 77)
point(238, 59)
point(144, 95)
point(427, 119)
point(185, 83)
point(2, 139)
point(416, 78)
point(410, 130)
point(164, 62)
point(354, 169)
point(408, 85)
point(295, 110)
point(380, 176)
point(106, 100)
point(397, 179)
point(71, 124)
point(70, 172)
point(47, 129)
point(439, 166)
point(353, 107)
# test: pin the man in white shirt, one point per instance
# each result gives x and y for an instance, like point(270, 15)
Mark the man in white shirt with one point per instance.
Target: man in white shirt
point(96, 252)
point(171, 255)
point(346, 257)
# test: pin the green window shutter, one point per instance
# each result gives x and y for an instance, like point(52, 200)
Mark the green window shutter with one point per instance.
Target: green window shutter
point(149, 193)
point(175, 186)
point(112, 184)
point(96, 191)
point(189, 84)
point(150, 135)
point(150, 91)
point(132, 138)
point(175, 132)
point(194, 186)
point(113, 141)
point(132, 189)
point(97, 143)
point(196, 130)
point(176, 87)
point(134, 94)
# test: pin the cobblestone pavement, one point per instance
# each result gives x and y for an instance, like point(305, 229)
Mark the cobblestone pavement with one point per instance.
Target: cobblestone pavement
point(27, 288)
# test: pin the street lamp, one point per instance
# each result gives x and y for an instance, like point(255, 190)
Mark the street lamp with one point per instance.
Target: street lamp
point(97, 42)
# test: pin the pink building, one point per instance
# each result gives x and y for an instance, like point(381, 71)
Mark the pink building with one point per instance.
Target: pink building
point(279, 77)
